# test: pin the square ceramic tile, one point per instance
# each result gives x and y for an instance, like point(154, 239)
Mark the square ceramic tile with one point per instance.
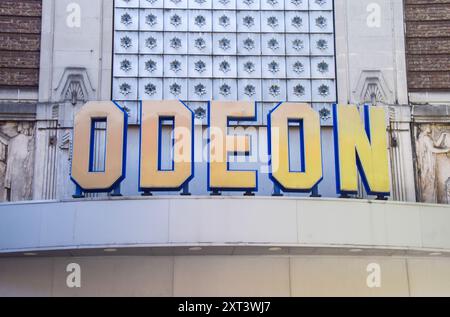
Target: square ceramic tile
point(150, 89)
point(320, 4)
point(225, 89)
point(126, 19)
point(200, 21)
point(127, 3)
point(151, 20)
point(176, 4)
point(151, 42)
point(200, 43)
point(200, 66)
point(156, 4)
point(151, 66)
point(175, 88)
point(126, 65)
point(203, 4)
point(175, 66)
point(199, 89)
point(126, 42)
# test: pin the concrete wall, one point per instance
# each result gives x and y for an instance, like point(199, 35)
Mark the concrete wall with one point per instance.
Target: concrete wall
point(225, 247)
point(226, 276)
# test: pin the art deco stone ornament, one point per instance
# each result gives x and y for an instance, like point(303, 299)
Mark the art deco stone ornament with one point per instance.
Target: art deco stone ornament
point(175, 89)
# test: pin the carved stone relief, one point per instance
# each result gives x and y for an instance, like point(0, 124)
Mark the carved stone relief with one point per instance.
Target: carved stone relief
point(74, 86)
point(433, 162)
point(16, 160)
point(447, 191)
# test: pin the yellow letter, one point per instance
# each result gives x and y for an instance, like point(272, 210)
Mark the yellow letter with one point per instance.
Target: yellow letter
point(361, 147)
point(221, 145)
point(310, 147)
point(152, 177)
point(116, 130)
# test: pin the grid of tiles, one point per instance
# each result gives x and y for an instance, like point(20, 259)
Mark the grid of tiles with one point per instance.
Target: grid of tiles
point(198, 50)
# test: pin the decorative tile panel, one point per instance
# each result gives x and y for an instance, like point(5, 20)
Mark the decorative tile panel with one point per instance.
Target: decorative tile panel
point(197, 50)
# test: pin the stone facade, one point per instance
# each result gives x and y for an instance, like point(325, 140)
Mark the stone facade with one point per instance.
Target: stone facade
point(428, 64)
point(20, 25)
point(76, 65)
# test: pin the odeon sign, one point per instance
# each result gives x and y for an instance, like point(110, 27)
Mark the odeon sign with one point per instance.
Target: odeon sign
point(360, 146)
